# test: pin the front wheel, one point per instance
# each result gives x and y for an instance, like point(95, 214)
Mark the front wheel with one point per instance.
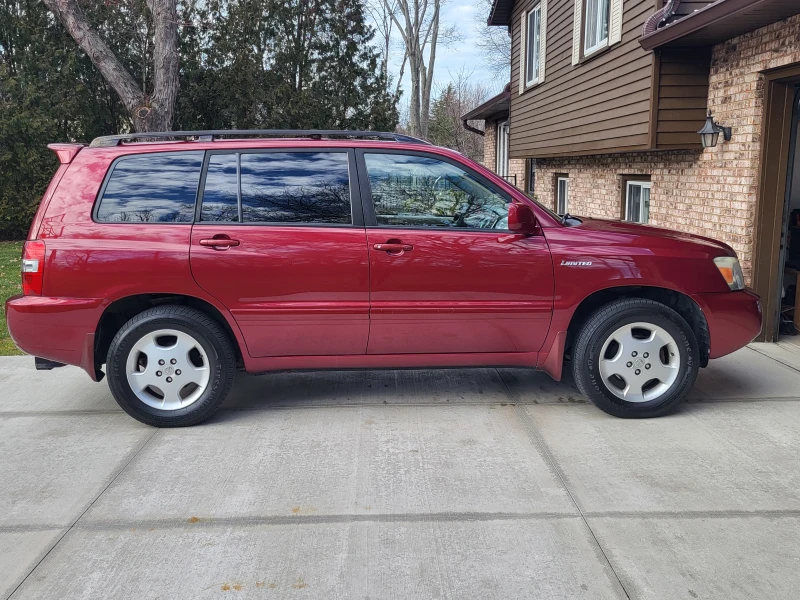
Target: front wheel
point(636, 358)
point(170, 366)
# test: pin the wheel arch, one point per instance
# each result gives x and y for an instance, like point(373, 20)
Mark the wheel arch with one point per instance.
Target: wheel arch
point(123, 309)
point(679, 302)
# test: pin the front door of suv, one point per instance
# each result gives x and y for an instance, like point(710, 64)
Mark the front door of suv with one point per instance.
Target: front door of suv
point(446, 275)
point(277, 240)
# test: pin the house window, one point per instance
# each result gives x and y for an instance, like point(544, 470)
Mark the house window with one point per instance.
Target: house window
point(502, 149)
point(562, 194)
point(595, 26)
point(533, 46)
point(637, 201)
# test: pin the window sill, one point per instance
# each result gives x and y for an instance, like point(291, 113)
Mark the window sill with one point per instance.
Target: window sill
point(595, 54)
point(530, 86)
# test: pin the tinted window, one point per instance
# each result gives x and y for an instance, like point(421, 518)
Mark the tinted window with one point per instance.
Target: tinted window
point(152, 188)
point(427, 192)
point(220, 195)
point(295, 187)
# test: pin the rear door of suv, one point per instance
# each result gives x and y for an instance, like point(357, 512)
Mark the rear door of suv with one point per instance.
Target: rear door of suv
point(447, 276)
point(279, 239)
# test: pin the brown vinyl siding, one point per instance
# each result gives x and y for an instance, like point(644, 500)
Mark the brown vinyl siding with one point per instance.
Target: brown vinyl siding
point(681, 78)
point(601, 105)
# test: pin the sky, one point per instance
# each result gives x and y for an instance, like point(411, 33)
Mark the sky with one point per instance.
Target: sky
point(464, 54)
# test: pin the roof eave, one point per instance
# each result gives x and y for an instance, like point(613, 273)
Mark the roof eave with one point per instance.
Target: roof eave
point(493, 106)
point(501, 13)
point(709, 15)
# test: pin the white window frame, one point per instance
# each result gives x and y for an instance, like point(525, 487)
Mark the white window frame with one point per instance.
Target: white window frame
point(559, 200)
point(501, 167)
point(600, 44)
point(533, 63)
point(644, 185)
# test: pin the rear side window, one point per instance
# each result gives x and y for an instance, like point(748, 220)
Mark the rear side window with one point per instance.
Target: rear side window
point(278, 187)
point(152, 188)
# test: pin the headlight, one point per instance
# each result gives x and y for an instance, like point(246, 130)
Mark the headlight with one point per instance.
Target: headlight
point(731, 271)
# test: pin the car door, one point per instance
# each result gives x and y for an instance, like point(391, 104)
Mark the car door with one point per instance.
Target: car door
point(279, 240)
point(446, 275)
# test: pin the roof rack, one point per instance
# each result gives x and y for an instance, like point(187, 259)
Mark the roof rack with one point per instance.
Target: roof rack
point(211, 135)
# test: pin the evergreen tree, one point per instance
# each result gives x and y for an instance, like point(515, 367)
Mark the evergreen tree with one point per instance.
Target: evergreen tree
point(285, 64)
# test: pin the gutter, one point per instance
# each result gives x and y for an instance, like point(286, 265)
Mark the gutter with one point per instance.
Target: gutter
point(709, 15)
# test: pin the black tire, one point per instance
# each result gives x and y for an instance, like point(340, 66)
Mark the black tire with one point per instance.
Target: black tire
point(214, 342)
point(601, 325)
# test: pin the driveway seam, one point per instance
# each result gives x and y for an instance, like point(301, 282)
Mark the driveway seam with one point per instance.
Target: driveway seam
point(542, 447)
point(777, 360)
point(279, 520)
point(132, 455)
point(451, 517)
point(512, 402)
point(695, 514)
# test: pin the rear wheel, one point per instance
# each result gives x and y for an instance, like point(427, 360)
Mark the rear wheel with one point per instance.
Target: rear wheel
point(636, 358)
point(170, 366)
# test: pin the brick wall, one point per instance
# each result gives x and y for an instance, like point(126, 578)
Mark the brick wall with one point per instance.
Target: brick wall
point(516, 166)
point(490, 146)
point(710, 192)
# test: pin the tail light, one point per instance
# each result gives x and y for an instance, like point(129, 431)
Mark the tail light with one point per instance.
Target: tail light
point(33, 268)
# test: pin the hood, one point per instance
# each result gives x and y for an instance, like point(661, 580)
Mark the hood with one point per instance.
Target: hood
point(640, 234)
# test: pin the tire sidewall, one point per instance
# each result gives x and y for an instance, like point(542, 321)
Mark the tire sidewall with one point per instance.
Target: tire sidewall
point(688, 355)
point(117, 369)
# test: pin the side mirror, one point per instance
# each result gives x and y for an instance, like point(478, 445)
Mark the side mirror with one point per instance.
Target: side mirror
point(521, 219)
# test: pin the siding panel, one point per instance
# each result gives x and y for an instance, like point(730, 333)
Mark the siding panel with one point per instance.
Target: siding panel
point(600, 105)
point(682, 97)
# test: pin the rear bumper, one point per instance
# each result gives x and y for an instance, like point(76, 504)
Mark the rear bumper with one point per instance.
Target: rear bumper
point(58, 329)
point(734, 319)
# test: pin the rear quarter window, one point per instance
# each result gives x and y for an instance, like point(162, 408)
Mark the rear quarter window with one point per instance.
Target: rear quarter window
point(151, 188)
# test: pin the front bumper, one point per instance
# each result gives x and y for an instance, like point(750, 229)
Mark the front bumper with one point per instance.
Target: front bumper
point(734, 319)
point(58, 329)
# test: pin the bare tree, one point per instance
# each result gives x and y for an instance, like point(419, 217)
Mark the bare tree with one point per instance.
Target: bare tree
point(494, 44)
point(457, 98)
point(418, 25)
point(150, 110)
point(382, 12)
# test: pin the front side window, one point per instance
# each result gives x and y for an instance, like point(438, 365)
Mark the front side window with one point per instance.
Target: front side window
point(637, 201)
point(562, 195)
point(152, 188)
point(278, 187)
point(423, 191)
point(533, 43)
point(595, 26)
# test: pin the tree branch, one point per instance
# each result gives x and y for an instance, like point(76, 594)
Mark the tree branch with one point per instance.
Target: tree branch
point(76, 24)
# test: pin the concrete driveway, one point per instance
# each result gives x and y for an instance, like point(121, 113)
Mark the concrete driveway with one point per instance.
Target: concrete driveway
point(482, 483)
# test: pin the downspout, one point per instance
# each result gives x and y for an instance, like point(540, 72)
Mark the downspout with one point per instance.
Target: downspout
point(469, 127)
point(658, 18)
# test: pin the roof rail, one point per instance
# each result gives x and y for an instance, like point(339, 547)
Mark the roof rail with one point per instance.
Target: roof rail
point(211, 135)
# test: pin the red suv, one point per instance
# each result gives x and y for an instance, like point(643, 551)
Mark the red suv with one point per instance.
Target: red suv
point(176, 262)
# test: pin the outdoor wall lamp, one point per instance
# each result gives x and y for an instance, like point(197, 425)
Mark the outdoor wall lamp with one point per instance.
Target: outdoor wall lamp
point(711, 130)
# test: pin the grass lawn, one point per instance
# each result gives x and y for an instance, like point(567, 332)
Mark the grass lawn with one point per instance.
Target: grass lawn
point(10, 284)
